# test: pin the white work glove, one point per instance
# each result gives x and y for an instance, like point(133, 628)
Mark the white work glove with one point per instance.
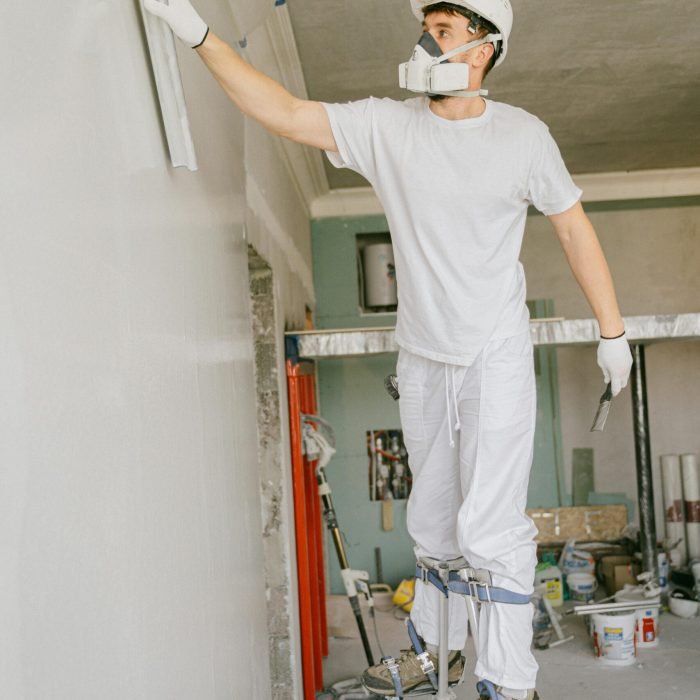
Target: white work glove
point(615, 359)
point(186, 24)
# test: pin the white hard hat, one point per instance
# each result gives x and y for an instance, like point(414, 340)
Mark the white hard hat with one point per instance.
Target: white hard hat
point(498, 12)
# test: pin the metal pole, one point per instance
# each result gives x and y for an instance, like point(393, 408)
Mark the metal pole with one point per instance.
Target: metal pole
point(378, 564)
point(444, 693)
point(443, 670)
point(332, 524)
point(645, 484)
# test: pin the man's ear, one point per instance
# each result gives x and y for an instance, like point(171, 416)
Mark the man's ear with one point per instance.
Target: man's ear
point(484, 54)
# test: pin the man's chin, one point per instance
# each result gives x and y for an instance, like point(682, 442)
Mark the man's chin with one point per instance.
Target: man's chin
point(437, 98)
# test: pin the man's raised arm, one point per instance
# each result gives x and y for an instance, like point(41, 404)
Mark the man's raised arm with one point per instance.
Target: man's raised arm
point(254, 93)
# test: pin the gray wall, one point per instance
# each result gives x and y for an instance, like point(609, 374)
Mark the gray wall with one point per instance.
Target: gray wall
point(654, 254)
point(130, 523)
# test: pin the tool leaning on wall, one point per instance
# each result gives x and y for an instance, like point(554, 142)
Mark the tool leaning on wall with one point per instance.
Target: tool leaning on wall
point(319, 447)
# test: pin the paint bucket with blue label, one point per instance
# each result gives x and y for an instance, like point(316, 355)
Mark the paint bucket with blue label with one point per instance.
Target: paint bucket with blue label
point(614, 638)
point(582, 586)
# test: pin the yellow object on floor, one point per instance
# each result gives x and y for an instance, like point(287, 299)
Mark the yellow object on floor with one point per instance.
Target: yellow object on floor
point(405, 593)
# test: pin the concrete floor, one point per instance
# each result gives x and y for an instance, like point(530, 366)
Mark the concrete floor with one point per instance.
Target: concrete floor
point(567, 672)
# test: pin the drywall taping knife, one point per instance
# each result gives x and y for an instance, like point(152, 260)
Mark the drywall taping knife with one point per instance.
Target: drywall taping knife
point(391, 384)
point(601, 415)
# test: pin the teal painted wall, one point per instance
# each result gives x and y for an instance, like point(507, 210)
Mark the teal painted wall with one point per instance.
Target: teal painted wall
point(334, 255)
point(352, 398)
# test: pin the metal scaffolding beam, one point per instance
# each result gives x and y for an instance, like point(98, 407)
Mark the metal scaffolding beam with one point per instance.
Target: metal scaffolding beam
point(547, 332)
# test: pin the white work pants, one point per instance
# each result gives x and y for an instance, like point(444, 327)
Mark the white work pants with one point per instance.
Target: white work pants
point(469, 499)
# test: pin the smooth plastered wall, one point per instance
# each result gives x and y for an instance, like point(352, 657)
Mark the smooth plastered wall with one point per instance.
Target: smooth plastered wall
point(130, 521)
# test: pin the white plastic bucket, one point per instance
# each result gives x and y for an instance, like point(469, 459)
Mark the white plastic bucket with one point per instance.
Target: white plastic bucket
point(695, 568)
point(613, 638)
point(582, 586)
point(577, 561)
point(647, 619)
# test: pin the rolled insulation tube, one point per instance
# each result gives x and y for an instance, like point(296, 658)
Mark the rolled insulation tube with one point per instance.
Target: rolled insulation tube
point(673, 508)
point(690, 472)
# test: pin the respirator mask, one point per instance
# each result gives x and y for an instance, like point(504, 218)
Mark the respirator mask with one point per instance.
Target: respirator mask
point(429, 72)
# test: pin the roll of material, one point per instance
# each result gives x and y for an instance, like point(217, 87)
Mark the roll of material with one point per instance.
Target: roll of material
point(690, 472)
point(673, 507)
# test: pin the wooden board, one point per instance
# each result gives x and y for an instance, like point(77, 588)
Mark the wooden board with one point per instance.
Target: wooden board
point(583, 523)
point(387, 515)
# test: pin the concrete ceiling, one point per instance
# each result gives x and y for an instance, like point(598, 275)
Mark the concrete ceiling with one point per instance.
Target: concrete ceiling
point(617, 81)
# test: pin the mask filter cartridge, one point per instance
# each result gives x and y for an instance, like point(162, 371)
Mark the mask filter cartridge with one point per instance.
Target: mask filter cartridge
point(429, 72)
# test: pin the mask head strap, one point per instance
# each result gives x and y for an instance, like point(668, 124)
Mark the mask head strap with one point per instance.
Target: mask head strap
point(488, 39)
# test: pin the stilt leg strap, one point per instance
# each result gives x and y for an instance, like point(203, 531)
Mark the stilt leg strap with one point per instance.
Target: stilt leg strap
point(488, 691)
point(390, 663)
point(427, 666)
point(475, 583)
point(427, 575)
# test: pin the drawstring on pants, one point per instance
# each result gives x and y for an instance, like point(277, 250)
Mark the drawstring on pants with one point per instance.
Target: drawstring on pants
point(457, 425)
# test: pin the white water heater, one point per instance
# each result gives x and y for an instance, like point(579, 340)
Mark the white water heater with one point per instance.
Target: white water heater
point(379, 275)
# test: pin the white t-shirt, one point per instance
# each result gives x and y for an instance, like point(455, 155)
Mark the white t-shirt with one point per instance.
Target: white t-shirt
point(455, 194)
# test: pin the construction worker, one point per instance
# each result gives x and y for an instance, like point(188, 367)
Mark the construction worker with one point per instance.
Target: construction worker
point(455, 174)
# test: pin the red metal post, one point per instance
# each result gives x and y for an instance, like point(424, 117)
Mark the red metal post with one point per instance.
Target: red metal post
point(300, 520)
point(317, 542)
point(309, 532)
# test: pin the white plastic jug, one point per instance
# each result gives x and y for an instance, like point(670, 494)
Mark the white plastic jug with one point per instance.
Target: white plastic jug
point(551, 579)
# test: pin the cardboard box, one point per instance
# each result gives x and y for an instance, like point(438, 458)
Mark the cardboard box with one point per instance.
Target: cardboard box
point(617, 570)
